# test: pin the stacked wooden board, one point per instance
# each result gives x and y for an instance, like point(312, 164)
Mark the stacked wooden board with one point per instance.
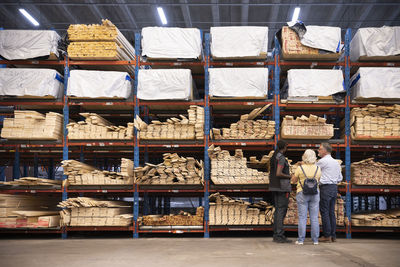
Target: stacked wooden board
point(190, 128)
point(84, 211)
point(32, 181)
point(375, 123)
point(96, 127)
point(181, 219)
point(173, 170)
point(388, 218)
point(228, 211)
point(369, 172)
point(227, 169)
point(32, 125)
point(82, 174)
point(312, 127)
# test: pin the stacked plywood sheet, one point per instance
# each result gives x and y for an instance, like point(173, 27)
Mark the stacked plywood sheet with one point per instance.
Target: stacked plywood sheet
point(227, 169)
point(228, 211)
point(32, 181)
point(388, 218)
point(173, 170)
point(181, 219)
point(96, 127)
point(174, 129)
point(84, 211)
point(32, 125)
point(83, 174)
point(303, 127)
point(375, 123)
point(369, 172)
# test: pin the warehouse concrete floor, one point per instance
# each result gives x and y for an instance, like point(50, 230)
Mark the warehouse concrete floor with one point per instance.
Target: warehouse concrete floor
point(165, 252)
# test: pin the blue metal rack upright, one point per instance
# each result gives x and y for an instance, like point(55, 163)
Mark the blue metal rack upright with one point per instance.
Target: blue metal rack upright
point(65, 130)
point(207, 137)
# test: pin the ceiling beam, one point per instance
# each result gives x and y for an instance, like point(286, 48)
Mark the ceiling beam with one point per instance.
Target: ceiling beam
point(337, 13)
point(186, 13)
point(215, 13)
point(38, 15)
point(95, 9)
point(10, 17)
point(367, 9)
point(70, 16)
point(396, 14)
point(127, 13)
point(245, 12)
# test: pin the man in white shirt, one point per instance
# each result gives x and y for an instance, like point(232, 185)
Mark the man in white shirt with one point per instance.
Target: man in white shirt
point(331, 176)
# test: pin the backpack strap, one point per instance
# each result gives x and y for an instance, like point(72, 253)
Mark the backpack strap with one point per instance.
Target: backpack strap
point(307, 176)
point(315, 174)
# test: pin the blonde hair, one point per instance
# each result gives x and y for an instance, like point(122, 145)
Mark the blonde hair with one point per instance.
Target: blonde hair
point(309, 157)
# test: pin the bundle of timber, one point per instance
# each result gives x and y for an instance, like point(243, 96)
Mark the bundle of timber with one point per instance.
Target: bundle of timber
point(247, 127)
point(83, 174)
point(84, 211)
point(375, 123)
point(32, 181)
point(228, 211)
point(20, 211)
point(369, 172)
point(303, 127)
point(32, 125)
point(173, 170)
point(96, 127)
point(174, 129)
point(387, 218)
point(98, 42)
point(227, 169)
point(181, 219)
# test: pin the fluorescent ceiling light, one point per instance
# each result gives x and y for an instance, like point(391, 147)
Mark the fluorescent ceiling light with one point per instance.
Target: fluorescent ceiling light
point(296, 14)
point(29, 17)
point(161, 14)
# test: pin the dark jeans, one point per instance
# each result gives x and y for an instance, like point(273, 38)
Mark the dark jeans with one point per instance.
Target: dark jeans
point(328, 194)
point(281, 202)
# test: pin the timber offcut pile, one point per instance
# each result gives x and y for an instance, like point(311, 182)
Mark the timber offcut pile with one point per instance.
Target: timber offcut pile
point(173, 170)
point(82, 174)
point(387, 218)
point(32, 125)
point(96, 127)
point(182, 128)
point(181, 219)
point(32, 181)
point(369, 172)
point(312, 127)
point(228, 211)
point(84, 211)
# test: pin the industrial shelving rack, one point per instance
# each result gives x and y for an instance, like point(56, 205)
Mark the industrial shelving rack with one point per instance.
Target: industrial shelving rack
point(66, 149)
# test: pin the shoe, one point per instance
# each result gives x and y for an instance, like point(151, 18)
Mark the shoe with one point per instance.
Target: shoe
point(299, 243)
point(333, 239)
point(282, 240)
point(325, 240)
point(315, 243)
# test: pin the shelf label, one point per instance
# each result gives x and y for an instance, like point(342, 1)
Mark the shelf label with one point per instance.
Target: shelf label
point(386, 190)
point(35, 62)
point(33, 191)
point(375, 146)
point(243, 144)
point(303, 145)
point(104, 191)
point(178, 232)
point(109, 103)
point(23, 145)
point(313, 64)
point(228, 64)
point(390, 64)
point(260, 63)
point(250, 103)
point(101, 144)
point(177, 64)
point(167, 146)
point(88, 144)
point(175, 191)
point(388, 146)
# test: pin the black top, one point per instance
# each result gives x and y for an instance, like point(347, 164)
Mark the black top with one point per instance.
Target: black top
point(277, 183)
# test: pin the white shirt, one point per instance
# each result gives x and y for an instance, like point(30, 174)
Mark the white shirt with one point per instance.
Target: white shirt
point(331, 170)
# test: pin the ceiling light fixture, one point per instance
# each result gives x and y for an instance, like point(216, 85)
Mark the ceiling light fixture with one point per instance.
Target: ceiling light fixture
point(296, 14)
point(161, 14)
point(29, 17)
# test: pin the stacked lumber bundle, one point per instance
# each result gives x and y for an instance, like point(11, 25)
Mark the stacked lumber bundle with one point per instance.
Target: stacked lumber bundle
point(369, 172)
point(375, 123)
point(312, 127)
point(84, 211)
point(174, 129)
point(227, 169)
point(247, 127)
point(181, 219)
point(228, 211)
point(21, 211)
point(32, 181)
point(173, 170)
point(388, 218)
point(82, 174)
point(98, 42)
point(96, 127)
point(32, 125)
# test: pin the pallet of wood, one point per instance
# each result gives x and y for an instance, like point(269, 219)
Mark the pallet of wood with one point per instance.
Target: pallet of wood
point(84, 211)
point(173, 170)
point(183, 128)
point(82, 174)
point(370, 172)
point(96, 127)
point(32, 125)
point(312, 127)
point(181, 219)
point(387, 218)
point(32, 181)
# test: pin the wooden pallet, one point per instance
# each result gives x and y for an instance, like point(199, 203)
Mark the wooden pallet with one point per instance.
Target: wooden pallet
point(379, 58)
point(262, 56)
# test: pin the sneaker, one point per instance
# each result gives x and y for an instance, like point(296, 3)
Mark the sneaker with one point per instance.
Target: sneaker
point(299, 243)
point(315, 243)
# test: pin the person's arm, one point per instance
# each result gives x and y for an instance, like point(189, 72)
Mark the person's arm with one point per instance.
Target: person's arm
point(279, 169)
point(295, 177)
point(340, 175)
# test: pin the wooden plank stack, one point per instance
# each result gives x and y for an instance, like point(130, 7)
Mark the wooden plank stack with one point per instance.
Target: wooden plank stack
point(388, 218)
point(84, 211)
point(32, 125)
point(82, 174)
point(227, 169)
point(375, 123)
point(228, 211)
point(32, 181)
point(173, 170)
point(369, 172)
point(182, 128)
point(303, 127)
point(96, 127)
point(181, 219)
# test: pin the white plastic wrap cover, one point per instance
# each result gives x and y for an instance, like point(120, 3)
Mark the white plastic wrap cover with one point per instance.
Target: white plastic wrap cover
point(238, 41)
point(156, 84)
point(322, 37)
point(238, 82)
point(383, 41)
point(30, 82)
point(93, 83)
point(376, 83)
point(162, 42)
point(314, 82)
point(26, 44)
